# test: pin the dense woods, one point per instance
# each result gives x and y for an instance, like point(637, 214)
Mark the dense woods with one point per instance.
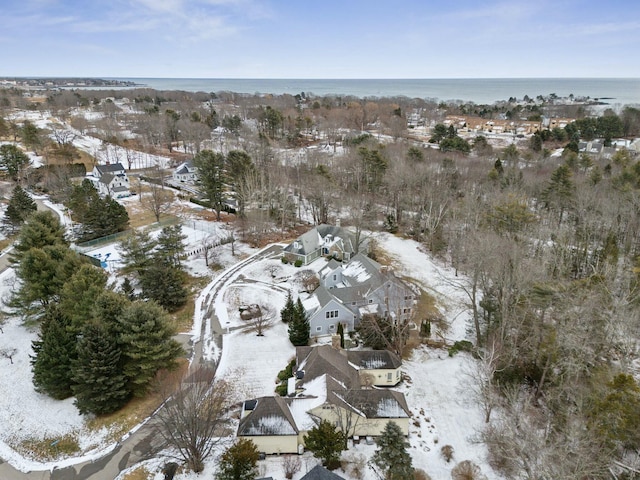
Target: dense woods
point(544, 235)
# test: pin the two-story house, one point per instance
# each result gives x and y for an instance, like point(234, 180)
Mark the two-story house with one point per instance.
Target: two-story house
point(111, 180)
point(348, 291)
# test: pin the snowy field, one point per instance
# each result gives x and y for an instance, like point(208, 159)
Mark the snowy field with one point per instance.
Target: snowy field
point(435, 394)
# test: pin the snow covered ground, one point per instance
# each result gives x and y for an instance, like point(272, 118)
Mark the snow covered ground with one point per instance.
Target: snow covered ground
point(436, 392)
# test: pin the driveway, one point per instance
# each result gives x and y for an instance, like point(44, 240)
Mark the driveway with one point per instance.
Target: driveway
point(145, 442)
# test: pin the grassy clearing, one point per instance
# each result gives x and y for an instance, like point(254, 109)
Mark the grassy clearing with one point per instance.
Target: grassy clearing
point(50, 448)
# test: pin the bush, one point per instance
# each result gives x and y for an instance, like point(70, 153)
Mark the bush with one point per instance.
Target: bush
point(284, 260)
point(419, 474)
point(298, 263)
point(460, 346)
point(282, 389)
point(467, 470)
point(447, 452)
point(287, 372)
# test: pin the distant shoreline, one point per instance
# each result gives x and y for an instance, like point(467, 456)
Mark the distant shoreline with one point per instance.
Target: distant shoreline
point(611, 91)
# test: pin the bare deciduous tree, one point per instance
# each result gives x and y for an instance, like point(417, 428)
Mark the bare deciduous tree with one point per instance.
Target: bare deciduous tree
point(194, 419)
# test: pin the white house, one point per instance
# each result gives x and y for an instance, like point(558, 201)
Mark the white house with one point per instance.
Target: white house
point(111, 180)
point(186, 173)
point(324, 241)
point(348, 291)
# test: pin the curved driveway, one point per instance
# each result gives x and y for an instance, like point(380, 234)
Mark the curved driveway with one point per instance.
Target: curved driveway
point(145, 441)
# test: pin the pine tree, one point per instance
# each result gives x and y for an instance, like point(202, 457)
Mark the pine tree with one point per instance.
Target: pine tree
point(326, 442)
point(40, 230)
point(170, 246)
point(145, 338)
point(19, 208)
point(165, 284)
point(288, 312)
point(79, 293)
point(43, 273)
point(13, 160)
point(299, 326)
point(239, 461)
point(54, 352)
point(99, 382)
point(391, 457)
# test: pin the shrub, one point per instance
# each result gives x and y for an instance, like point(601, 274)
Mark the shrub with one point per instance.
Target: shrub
point(298, 263)
point(447, 452)
point(284, 260)
point(460, 346)
point(291, 465)
point(282, 389)
point(467, 470)
point(419, 474)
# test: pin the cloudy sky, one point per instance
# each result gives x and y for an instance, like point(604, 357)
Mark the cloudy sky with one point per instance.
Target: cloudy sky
point(320, 38)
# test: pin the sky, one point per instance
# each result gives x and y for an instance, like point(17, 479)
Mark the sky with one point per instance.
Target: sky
point(320, 38)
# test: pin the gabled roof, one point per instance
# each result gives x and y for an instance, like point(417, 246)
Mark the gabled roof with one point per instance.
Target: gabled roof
point(374, 359)
point(320, 473)
point(324, 359)
point(106, 178)
point(268, 416)
point(372, 403)
point(109, 168)
point(362, 270)
point(315, 238)
point(185, 168)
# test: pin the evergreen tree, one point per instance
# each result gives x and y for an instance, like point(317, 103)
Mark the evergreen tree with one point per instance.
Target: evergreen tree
point(108, 307)
point(287, 314)
point(31, 136)
point(19, 208)
point(326, 443)
point(40, 230)
point(211, 177)
point(391, 457)
point(43, 273)
point(13, 160)
point(144, 336)
point(170, 246)
point(135, 249)
point(299, 326)
point(99, 382)
point(79, 293)
point(54, 352)
point(239, 461)
point(104, 216)
point(164, 284)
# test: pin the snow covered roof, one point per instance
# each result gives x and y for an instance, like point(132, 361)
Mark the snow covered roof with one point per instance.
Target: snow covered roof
point(322, 235)
point(270, 416)
point(374, 359)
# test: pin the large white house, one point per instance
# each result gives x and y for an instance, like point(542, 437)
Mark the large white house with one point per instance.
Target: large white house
point(185, 173)
point(350, 290)
point(111, 180)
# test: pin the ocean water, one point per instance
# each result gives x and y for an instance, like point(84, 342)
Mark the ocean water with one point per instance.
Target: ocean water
point(614, 91)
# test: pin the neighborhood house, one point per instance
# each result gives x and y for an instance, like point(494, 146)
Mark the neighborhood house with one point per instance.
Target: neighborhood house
point(111, 180)
point(349, 291)
point(324, 241)
point(330, 384)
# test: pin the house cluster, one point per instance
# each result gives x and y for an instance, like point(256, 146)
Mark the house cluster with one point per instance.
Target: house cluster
point(339, 386)
point(111, 180)
point(352, 285)
point(344, 387)
point(480, 125)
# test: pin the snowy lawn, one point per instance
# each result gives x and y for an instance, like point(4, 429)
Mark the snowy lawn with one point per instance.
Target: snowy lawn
point(442, 414)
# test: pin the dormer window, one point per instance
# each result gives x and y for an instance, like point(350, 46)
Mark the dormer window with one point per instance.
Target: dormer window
point(296, 245)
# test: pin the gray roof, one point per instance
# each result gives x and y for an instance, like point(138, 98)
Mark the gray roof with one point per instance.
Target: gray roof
point(324, 359)
point(267, 416)
point(374, 359)
point(373, 403)
point(106, 178)
point(314, 239)
point(321, 473)
point(109, 168)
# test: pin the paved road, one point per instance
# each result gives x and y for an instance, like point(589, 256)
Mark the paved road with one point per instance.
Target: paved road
point(145, 442)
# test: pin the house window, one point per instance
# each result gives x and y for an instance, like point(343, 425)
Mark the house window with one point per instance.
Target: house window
point(327, 314)
point(335, 277)
point(332, 327)
point(371, 300)
point(318, 329)
point(389, 377)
